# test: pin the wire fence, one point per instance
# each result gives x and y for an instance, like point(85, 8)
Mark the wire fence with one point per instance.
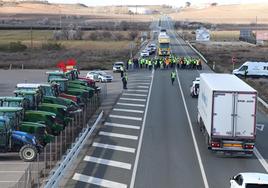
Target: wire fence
point(53, 152)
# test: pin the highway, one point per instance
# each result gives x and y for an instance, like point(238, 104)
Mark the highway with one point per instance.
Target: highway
point(153, 139)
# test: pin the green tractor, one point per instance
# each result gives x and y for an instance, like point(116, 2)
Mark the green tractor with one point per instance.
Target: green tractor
point(18, 141)
point(49, 96)
point(43, 117)
point(15, 115)
point(33, 96)
point(72, 82)
point(63, 87)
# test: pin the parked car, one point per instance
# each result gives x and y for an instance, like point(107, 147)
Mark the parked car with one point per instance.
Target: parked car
point(145, 53)
point(252, 69)
point(117, 66)
point(153, 47)
point(99, 76)
point(195, 87)
point(249, 180)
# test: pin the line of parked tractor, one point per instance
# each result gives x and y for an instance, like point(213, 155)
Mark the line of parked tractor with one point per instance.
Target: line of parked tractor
point(39, 112)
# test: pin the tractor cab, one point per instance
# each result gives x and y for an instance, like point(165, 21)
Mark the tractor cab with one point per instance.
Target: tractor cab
point(18, 141)
point(55, 75)
point(14, 102)
point(62, 83)
point(16, 122)
point(33, 96)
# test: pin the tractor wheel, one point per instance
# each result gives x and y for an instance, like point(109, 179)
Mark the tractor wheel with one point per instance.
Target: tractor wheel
point(28, 153)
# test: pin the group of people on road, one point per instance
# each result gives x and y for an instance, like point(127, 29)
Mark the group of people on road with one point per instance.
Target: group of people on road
point(168, 62)
point(164, 63)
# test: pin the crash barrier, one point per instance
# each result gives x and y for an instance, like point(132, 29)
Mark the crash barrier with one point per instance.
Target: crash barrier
point(204, 59)
point(63, 165)
point(38, 171)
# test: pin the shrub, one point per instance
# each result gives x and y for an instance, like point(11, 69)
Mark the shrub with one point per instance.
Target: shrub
point(13, 47)
point(52, 46)
point(133, 35)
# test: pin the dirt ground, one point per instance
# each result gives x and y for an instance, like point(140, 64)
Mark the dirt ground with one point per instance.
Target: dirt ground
point(222, 52)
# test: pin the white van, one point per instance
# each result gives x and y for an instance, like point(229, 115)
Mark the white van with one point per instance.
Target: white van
point(254, 69)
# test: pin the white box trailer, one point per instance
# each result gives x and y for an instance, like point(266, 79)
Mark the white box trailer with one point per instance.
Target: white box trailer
point(227, 113)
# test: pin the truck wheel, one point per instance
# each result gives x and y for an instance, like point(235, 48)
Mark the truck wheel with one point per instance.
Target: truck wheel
point(28, 153)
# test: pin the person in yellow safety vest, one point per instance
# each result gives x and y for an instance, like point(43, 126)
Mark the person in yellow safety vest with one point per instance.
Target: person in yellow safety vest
point(150, 64)
point(122, 71)
point(130, 64)
point(146, 63)
point(173, 76)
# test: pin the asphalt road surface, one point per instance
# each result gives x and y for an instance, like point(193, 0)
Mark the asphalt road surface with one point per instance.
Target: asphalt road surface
point(167, 149)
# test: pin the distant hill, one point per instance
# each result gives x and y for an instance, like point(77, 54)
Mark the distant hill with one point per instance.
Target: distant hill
point(237, 13)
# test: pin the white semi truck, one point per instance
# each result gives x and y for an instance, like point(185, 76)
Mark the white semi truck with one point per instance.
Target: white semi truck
point(227, 114)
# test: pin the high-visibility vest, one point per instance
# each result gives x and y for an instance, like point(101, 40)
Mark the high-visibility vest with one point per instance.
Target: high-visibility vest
point(173, 75)
point(149, 62)
point(130, 62)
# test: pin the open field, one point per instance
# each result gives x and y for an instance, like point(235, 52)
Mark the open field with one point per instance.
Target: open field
point(90, 54)
point(222, 52)
point(235, 14)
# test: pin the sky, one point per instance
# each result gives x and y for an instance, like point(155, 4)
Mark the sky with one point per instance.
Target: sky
point(152, 2)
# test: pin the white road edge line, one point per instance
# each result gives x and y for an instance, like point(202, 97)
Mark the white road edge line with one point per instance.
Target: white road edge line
point(98, 181)
point(114, 147)
point(135, 167)
point(128, 110)
point(125, 117)
point(107, 162)
point(122, 125)
point(131, 137)
point(193, 136)
point(261, 159)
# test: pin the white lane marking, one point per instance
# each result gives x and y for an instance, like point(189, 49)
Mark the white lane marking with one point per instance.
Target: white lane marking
point(127, 110)
point(122, 125)
point(107, 162)
point(139, 84)
point(193, 136)
point(131, 137)
point(98, 181)
point(144, 87)
point(138, 90)
point(114, 147)
point(133, 94)
point(261, 159)
point(134, 172)
point(130, 104)
point(125, 117)
point(130, 99)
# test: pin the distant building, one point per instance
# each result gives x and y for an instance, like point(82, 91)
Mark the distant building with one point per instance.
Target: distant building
point(247, 35)
point(202, 34)
point(261, 37)
point(139, 10)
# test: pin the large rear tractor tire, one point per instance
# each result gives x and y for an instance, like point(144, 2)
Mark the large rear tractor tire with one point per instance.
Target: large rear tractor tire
point(28, 153)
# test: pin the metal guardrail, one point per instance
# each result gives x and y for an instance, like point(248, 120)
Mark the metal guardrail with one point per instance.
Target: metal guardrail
point(72, 153)
point(204, 59)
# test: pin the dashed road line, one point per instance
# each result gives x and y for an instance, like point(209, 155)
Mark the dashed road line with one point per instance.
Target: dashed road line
point(98, 181)
point(122, 125)
point(130, 99)
point(131, 104)
point(107, 162)
point(127, 110)
point(114, 147)
point(130, 137)
point(125, 117)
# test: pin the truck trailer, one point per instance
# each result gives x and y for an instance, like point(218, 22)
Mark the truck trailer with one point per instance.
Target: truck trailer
point(227, 114)
point(163, 44)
